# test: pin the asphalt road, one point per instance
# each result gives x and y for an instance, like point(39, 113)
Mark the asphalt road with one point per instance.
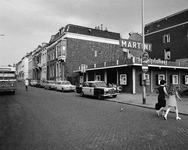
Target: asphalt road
point(40, 119)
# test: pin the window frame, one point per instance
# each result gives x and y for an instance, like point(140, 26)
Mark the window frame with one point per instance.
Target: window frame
point(123, 79)
point(158, 78)
point(173, 79)
point(166, 38)
point(186, 79)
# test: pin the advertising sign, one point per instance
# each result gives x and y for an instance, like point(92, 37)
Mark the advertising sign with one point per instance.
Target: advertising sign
point(136, 45)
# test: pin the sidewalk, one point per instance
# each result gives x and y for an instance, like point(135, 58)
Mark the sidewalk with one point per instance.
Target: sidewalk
point(151, 99)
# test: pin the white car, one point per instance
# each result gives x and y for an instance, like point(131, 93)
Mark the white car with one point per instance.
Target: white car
point(64, 86)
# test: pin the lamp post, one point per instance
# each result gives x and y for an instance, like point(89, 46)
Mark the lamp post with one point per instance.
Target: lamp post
point(143, 43)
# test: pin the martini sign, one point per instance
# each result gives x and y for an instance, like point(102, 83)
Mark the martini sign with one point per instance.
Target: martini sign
point(135, 45)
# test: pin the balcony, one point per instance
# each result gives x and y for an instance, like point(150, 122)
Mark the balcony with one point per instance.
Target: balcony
point(62, 58)
point(138, 61)
point(39, 65)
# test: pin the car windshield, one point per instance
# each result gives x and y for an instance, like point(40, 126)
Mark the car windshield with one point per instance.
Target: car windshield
point(100, 84)
point(65, 83)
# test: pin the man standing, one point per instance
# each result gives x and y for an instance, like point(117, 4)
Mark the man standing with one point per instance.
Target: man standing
point(26, 83)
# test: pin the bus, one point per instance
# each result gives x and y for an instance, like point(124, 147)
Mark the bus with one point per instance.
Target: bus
point(8, 80)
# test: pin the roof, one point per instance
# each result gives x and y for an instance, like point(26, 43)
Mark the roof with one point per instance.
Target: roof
point(92, 32)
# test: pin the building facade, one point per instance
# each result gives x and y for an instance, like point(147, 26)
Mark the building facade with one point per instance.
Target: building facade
point(75, 45)
point(22, 68)
point(169, 37)
point(79, 54)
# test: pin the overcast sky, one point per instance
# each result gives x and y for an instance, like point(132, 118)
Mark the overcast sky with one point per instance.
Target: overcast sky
point(26, 24)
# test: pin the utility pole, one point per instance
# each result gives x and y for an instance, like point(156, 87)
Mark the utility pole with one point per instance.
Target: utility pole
point(143, 43)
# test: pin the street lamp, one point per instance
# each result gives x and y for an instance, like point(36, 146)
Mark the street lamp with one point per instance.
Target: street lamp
point(143, 43)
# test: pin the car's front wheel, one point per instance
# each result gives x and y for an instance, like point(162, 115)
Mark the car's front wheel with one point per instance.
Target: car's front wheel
point(114, 96)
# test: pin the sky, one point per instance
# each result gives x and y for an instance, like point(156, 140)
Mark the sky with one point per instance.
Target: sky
point(25, 24)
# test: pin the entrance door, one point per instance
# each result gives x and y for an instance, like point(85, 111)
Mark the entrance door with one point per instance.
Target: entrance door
point(112, 76)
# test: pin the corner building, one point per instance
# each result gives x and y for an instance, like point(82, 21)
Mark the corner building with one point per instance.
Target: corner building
point(75, 45)
point(168, 58)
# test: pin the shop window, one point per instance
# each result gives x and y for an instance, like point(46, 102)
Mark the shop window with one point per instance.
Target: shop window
point(174, 79)
point(123, 79)
point(186, 79)
point(160, 77)
point(98, 78)
point(166, 38)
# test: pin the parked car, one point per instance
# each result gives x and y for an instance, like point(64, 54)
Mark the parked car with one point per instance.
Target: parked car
point(64, 86)
point(50, 84)
point(33, 82)
point(98, 89)
point(42, 83)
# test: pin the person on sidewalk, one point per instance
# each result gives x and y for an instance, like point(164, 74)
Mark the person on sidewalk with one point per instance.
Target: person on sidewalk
point(161, 97)
point(26, 84)
point(173, 94)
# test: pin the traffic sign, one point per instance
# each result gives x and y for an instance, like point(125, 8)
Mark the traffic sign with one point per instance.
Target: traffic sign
point(145, 67)
point(145, 57)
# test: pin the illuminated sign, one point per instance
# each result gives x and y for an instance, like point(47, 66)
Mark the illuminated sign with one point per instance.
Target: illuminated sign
point(130, 44)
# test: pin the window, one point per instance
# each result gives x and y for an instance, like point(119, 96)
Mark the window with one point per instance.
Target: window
point(81, 79)
point(95, 53)
point(167, 54)
point(166, 38)
point(160, 77)
point(186, 79)
point(174, 79)
point(123, 79)
point(98, 78)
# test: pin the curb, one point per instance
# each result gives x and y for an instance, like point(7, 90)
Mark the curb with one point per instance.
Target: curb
point(133, 104)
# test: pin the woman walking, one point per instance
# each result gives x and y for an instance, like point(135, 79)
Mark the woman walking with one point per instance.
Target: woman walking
point(173, 94)
point(26, 84)
point(161, 97)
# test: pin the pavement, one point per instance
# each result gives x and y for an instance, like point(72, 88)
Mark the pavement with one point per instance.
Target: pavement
point(151, 100)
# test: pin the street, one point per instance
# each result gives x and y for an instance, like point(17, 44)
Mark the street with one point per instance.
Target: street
point(40, 119)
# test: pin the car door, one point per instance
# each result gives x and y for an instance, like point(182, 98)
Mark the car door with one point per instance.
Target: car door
point(86, 89)
point(91, 89)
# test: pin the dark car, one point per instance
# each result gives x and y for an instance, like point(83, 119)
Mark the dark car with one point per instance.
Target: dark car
point(98, 89)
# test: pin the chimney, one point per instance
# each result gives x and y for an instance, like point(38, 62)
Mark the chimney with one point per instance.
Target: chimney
point(101, 26)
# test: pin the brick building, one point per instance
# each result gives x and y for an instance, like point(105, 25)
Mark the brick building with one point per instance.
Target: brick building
point(75, 45)
point(168, 58)
point(169, 37)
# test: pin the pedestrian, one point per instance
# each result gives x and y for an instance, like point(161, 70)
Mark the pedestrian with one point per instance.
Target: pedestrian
point(172, 102)
point(161, 97)
point(26, 84)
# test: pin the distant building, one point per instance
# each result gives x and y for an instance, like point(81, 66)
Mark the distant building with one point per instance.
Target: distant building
point(22, 68)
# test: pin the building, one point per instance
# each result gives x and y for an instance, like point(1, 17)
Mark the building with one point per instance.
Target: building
point(75, 45)
point(78, 54)
point(36, 63)
point(22, 68)
point(169, 37)
point(43, 62)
